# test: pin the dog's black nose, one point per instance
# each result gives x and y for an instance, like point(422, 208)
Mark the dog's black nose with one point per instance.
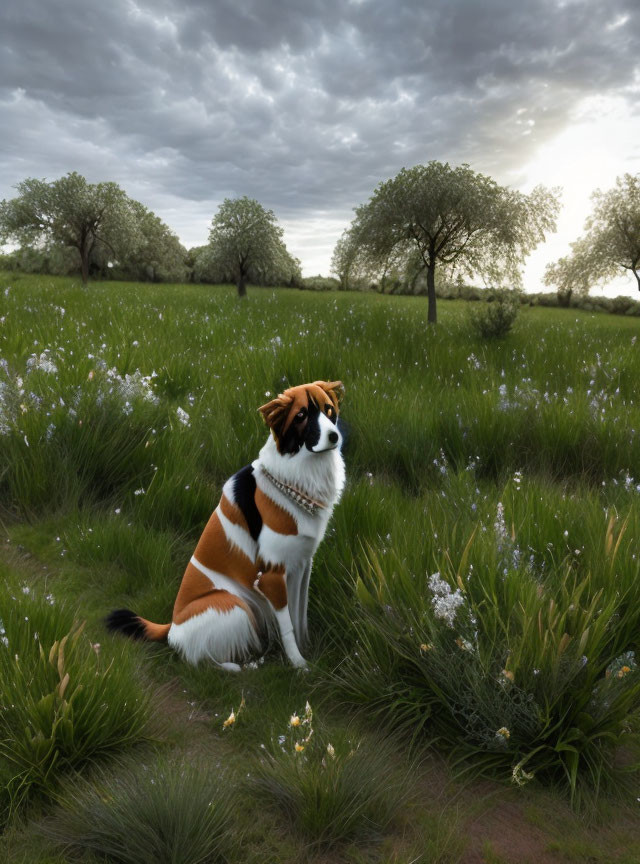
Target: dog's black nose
point(333, 437)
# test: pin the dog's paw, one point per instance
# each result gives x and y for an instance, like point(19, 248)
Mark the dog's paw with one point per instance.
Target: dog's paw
point(230, 667)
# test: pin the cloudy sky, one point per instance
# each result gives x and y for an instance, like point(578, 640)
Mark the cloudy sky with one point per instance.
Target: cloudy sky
point(307, 105)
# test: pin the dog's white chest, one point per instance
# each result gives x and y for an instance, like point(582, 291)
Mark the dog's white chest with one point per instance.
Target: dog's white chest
point(292, 551)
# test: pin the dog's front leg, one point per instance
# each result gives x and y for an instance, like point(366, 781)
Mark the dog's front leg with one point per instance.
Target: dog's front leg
point(273, 585)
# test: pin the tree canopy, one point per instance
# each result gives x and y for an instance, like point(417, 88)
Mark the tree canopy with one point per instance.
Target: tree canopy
point(445, 218)
point(571, 273)
point(245, 244)
point(154, 251)
point(68, 212)
point(610, 244)
point(97, 223)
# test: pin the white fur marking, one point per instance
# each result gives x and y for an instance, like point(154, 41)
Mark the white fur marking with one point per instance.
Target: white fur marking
point(227, 489)
point(258, 604)
point(288, 639)
point(214, 635)
point(238, 536)
point(320, 475)
point(326, 428)
point(219, 580)
point(288, 549)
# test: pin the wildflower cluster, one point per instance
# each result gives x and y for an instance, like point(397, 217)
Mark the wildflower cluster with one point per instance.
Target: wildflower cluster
point(622, 665)
point(39, 390)
point(127, 388)
point(445, 602)
point(42, 362)
point(300, 730)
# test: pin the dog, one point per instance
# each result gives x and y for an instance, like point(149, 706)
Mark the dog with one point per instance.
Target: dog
point(249, 574)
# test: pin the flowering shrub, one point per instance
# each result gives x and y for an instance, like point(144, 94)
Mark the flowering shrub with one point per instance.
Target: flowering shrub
point(527, 669)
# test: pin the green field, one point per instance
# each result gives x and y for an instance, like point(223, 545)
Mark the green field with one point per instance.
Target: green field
point(474, 609)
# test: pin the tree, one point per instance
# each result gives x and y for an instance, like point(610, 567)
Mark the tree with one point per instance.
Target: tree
point(455, 219)
point(571, 274)
point(611, 241)
point(154, 251)
point(344, 259)
point(245, 244)
point(68, 212)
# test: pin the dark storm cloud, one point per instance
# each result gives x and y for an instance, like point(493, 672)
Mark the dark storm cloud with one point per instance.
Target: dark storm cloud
point(304, 105)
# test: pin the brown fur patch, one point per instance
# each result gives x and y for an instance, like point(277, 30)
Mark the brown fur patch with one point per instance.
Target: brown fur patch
point(274, 587)
point(221, 601)
point(155, 632)
point(274, 516)
point(193, 586)
point(233, 513)
point(197, 594)
point(216, 552)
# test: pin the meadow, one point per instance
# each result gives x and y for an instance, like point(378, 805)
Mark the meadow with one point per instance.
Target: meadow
point(474, 608)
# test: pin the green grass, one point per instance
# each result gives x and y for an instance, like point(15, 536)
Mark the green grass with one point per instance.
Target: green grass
point(163, 811)
point(330, 788)
point(64, 701)
point(542, 643)
point(102, 480)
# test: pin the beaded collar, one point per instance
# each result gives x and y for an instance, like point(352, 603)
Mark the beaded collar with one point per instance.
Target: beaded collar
point(296, 495)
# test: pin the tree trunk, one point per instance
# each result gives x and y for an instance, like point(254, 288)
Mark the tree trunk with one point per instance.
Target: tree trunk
point(242, 286)
point(564, 297)
point(637, 275)
point(84, 248)
point(431, 294)
point(84, 265)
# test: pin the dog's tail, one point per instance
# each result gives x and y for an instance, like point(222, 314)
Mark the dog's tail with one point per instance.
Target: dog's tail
point(127, 622)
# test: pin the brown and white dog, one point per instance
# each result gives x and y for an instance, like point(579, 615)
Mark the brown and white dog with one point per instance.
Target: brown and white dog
point(251, 568)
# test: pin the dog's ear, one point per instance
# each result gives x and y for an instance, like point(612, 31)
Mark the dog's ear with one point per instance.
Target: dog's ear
point(275, 413)
point(333, 389)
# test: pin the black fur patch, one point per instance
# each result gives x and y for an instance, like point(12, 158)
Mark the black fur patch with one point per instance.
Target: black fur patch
point(312, 432)
point(345, 431)
point(125, 621)
point(300, 434)
point(244, 492)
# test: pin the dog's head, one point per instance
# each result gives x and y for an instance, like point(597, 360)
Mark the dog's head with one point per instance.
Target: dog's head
point(305, 417)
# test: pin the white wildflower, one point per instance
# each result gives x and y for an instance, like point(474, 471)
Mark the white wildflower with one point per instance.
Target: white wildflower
point(42, 363)
point(500, 526)
point(445, 602)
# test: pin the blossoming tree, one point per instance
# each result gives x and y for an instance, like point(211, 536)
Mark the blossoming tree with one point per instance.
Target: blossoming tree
point(448, 218)
point(68, 212)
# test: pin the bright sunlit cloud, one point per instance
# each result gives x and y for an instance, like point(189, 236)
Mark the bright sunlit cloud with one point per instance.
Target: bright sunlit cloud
point(601, 143)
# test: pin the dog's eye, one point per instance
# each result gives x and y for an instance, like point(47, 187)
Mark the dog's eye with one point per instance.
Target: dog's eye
point(328, 410)
point(300, 416)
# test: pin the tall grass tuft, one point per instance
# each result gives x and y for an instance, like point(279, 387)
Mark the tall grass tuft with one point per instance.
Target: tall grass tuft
point(520, 660)
point(166, 812)
point(63, 701)
point(330, 788)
